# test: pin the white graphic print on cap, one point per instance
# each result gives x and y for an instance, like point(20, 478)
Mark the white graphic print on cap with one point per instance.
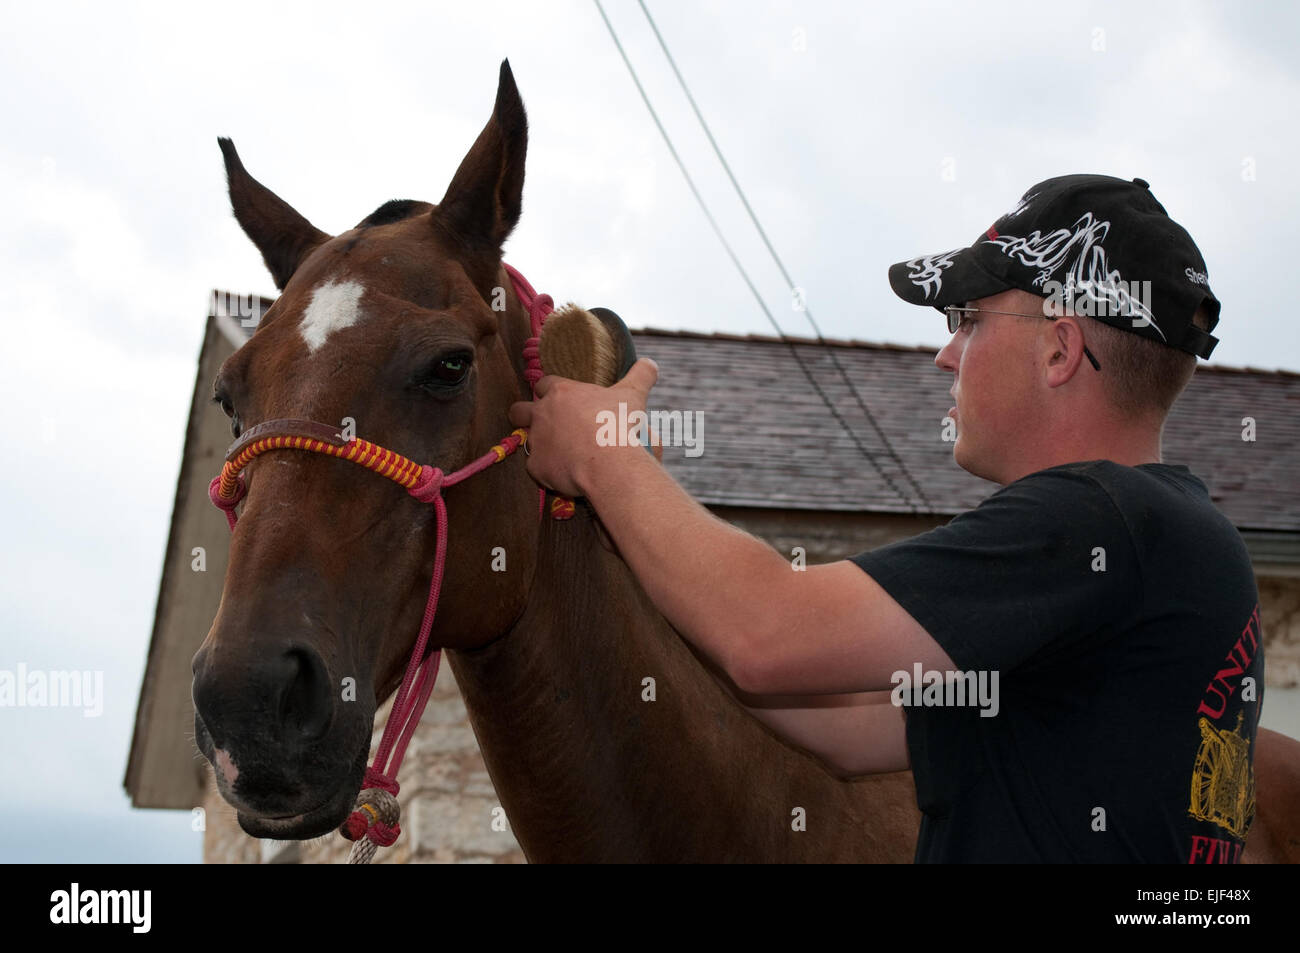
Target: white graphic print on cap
point(1020, 206)
point(928, 271)
point(1080, 251)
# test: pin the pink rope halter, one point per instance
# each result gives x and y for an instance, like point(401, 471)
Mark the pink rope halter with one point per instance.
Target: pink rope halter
point(374, 821)
point(539, 306)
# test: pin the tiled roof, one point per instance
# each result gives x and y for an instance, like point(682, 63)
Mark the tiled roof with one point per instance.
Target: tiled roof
point(770, 441)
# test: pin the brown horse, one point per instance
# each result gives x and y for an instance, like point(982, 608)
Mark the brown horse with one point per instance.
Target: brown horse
point(406, 324)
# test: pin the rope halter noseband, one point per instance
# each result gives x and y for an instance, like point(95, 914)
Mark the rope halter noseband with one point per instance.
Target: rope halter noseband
point(373, 823)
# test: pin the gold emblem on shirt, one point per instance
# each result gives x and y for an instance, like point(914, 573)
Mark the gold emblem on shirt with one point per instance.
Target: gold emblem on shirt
point(1223, 781)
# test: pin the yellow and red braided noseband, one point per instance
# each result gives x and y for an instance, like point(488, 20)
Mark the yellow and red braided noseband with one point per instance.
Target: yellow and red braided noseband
point(318, 438)
point(299, 434)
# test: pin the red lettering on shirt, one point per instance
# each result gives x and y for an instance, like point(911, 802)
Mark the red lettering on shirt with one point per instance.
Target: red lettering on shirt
point(1213, 850)
point(1238, 660)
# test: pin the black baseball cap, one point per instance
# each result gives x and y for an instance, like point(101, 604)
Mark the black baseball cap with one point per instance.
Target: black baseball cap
point(1099, 245)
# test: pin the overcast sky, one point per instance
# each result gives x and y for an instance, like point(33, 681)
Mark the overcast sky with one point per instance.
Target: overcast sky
point(864, 134)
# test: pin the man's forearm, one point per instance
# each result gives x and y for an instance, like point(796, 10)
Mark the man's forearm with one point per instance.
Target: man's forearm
point(709, 579)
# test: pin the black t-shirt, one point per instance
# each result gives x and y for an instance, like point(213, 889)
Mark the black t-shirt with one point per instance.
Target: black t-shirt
point(1117, 609)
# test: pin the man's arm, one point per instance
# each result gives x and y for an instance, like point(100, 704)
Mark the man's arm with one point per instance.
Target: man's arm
point(852, 734)
point(855, 734)
point(827, 630)
point(824, 630)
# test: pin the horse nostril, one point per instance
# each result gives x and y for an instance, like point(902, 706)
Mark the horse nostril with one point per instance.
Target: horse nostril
point(305, 703)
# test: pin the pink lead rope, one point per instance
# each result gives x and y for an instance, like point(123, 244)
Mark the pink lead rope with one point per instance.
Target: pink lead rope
point(373, 823)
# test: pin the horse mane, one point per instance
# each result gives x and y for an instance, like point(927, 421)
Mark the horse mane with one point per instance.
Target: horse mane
point(573, 550)
point(394, 210)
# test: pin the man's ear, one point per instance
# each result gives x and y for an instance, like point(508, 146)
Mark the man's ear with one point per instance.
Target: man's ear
point(283, 236)
point(483, 202)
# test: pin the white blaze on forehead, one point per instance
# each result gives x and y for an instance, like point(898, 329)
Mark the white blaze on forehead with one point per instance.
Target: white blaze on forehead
point(333, 306)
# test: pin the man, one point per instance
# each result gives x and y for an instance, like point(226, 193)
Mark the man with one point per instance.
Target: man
point(1097, 611)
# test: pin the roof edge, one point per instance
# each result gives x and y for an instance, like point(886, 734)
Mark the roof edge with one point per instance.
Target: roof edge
point(857, 343)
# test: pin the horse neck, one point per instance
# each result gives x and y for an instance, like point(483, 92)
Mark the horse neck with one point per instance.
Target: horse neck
point(544, 697)
point(589, 769)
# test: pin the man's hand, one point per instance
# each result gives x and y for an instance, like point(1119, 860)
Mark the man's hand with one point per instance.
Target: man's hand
point(563, 424)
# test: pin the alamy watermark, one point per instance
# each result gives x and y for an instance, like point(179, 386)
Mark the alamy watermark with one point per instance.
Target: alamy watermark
point(1111, 298)
point(129, 907)
point(247, 308)
point(933, 689)
point(36, 688)
point(671, 428)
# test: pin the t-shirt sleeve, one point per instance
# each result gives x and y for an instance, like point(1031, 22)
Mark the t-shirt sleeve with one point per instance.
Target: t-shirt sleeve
point(1043, 567)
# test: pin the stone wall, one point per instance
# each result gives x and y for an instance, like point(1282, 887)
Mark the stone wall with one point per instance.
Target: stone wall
point(1279, 609)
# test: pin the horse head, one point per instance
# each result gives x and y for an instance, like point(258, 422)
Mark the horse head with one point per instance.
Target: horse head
point(406, 324)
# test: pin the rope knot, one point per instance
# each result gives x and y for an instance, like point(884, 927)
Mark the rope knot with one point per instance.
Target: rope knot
point(428, 486)
point(227, 505)
point(532, 362)
point(214, 493)
point(383, 835)
point(375, 779)
point(373, 824)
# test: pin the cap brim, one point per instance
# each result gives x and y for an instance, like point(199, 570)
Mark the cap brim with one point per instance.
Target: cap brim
point(951, 277)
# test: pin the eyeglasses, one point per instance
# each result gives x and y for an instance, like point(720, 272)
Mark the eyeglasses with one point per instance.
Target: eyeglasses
point(958, 313)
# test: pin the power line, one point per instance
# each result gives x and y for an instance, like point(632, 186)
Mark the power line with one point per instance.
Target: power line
point(772, 251)
point(745, 275)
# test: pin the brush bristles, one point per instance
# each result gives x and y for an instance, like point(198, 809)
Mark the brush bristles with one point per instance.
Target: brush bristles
point(575, 345)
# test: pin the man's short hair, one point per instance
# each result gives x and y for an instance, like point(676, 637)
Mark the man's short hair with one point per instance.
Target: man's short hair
point(1142, 377)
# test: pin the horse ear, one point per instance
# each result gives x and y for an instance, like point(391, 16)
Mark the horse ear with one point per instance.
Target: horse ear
point(483, 202)
point(282, 235)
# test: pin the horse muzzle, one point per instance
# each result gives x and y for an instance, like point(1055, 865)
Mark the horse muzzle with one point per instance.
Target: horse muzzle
point(287, 750)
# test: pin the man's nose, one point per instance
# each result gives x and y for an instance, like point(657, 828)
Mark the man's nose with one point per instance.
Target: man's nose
point(946, 359)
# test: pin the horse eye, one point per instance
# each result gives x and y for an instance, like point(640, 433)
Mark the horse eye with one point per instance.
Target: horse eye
point(449, 371)
point(452, 368)
point(229, 410)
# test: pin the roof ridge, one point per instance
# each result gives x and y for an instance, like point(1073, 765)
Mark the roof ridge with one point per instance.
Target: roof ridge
point(788, 339)
point(857, 343)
